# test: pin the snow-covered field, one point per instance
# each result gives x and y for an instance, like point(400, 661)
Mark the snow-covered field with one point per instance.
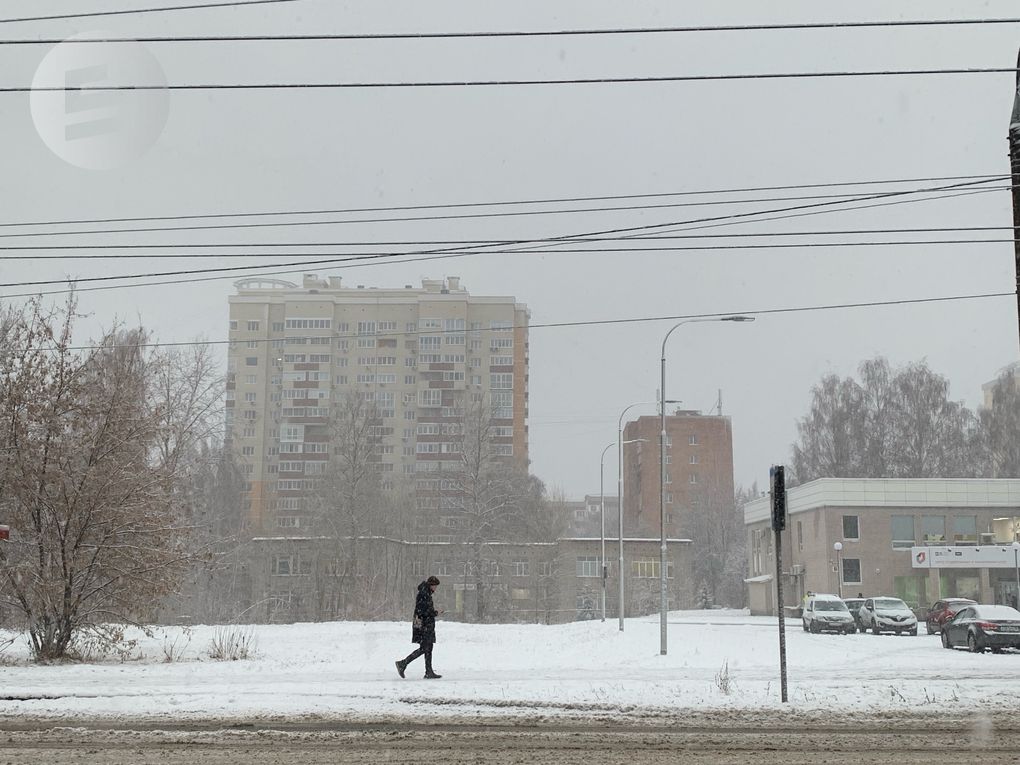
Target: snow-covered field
point(344, 671)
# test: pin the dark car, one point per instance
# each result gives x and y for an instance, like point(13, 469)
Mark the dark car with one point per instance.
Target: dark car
point(979, 627)
point(941, 611)
point(854, 604)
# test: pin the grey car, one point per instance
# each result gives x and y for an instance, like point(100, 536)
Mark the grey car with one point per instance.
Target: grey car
point(827, 613)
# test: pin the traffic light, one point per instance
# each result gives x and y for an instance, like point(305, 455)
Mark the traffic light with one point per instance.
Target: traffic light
point(777, 488)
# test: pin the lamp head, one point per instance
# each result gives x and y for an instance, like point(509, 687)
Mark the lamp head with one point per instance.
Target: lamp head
point(838, 546)
point(737, 318)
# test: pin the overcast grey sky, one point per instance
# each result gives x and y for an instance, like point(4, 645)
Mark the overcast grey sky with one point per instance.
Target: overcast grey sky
point(244, 151)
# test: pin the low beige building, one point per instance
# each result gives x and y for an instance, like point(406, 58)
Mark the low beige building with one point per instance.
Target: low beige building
point(296, 579)
point(876, 522)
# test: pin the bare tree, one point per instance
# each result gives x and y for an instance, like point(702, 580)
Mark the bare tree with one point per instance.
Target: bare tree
point(97, 533)
point(999, 427)
point(349, 503)
point(895, 423)
point(490, 499)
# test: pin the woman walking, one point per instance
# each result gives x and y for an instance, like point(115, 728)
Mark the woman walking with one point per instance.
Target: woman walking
point(423, 628)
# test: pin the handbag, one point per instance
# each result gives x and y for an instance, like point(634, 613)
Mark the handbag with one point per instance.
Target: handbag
point(416, 622)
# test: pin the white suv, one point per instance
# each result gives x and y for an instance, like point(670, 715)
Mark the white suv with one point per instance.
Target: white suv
point(887, 615)
point(827, 613)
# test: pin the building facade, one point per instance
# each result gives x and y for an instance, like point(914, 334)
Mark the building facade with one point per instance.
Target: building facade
point(419, 357)
point(699, 471)
point(877, 521)
point(543, 582)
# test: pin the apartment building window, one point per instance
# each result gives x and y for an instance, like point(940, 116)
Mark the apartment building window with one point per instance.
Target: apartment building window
point(410, 380)
point(253, 343)
point(476, 345)
point(309, 323)
point(587, 566)
point(233, 324)
point(277, 326)
point(504, 450)
point(342, 345)
point(669, 459)
point(430, 324)
point(501, 325)
point(250, 414)
point(249, 397)
point(366, 342)
point(933, 528)
point(410, 362)
point(668, 478)
point(851, 527)
point(251, 361)
point(387, 326)
point(250, 379)
point(692, 439)
point(693, 478)
point(669, 441)
point(501, 361)
point(411, 326)
point(500, 343)
point(903, 531)
point(248, 451)
point(442, 568)
point(851, 570)
point(428, 343)
point(545, 568)
point(522, 568)
point(288, 522)
point(693, 460)
point(669, 498)
point(501, 381)
point(430, 398)
point(253, 326)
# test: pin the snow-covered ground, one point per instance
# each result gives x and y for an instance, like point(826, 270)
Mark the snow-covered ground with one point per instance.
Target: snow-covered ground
point(345, 671)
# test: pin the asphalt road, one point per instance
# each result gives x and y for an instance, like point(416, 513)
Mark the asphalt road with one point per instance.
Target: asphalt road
point(923, 739)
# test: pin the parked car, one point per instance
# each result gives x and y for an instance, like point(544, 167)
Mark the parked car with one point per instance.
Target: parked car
point(827, 613)
point(980, 626)
point(854, 604)
point(887, 615)
point(941, 611)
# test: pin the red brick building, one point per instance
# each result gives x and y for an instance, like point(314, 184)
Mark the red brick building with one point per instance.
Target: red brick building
point(699, 470)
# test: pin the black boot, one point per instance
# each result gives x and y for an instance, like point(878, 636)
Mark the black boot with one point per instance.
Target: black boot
point(400, 668)
point(430, 675)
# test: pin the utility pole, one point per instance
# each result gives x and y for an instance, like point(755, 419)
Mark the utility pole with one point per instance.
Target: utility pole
point(1014, 163)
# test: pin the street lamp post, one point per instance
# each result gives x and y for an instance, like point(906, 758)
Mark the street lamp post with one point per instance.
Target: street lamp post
point(619, 487)
point(838, 547)
point(602, 490)
point(662, 470)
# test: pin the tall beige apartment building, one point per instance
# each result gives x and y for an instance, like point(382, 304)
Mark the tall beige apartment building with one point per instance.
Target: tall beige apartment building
point(420, 355)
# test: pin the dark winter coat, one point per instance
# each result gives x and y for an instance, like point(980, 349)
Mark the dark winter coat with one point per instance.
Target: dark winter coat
point(423, 629)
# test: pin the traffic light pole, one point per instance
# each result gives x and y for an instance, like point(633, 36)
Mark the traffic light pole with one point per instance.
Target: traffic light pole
point(777, 496)
point(1014, 163)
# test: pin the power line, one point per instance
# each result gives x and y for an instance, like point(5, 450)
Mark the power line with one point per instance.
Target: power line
point(535, 33)
point(508, 83)
point(135, 11)
point(336, 258)
point(35, 248)
point(438, 254)
point(285, 224)
point(601, 322)
point(507, 203)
